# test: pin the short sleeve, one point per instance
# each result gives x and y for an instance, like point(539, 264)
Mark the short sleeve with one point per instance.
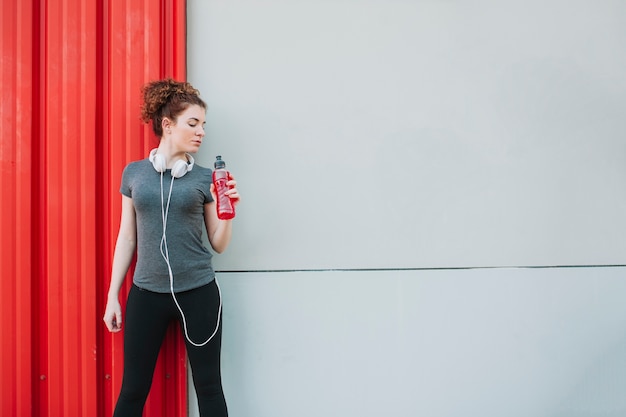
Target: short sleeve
point(125, 188)
point(206, 186)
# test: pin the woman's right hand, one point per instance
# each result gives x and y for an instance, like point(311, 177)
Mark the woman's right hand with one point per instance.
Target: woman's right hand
point(113, 315)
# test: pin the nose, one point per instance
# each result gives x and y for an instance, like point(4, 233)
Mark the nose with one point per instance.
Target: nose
point(200, 132)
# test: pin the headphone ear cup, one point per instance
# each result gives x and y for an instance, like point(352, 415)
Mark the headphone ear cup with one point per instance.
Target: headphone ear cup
point(158, 161)
point(179, 169)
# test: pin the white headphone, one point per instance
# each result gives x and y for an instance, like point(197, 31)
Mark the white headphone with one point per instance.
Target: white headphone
point(179, 169)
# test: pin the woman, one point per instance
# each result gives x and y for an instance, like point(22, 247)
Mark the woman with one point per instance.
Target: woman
point(167, 200)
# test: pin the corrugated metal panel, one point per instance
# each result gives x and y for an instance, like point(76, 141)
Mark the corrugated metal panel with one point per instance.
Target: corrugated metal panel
point(67, 103)
point(144, 41)
point(71, 74)
point(16, 346)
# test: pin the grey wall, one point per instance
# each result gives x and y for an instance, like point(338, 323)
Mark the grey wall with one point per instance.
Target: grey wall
point(488, 342)
point(462, 142)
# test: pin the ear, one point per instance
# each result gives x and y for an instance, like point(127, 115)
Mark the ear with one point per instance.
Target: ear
point(166, 123)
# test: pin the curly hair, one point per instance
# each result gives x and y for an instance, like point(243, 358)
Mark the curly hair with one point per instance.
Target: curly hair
point(167, 98)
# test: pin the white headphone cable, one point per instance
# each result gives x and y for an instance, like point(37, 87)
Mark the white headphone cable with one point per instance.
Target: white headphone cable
point(166, 257)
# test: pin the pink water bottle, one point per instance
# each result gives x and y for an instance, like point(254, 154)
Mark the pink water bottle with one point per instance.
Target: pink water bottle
point(225, 208)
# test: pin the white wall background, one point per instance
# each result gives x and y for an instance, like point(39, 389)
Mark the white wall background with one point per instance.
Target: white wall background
point(461, 142)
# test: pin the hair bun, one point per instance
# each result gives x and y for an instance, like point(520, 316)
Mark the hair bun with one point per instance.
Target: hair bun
point(157, 94)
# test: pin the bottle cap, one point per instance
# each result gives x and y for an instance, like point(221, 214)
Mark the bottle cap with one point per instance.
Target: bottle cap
point(219, 164)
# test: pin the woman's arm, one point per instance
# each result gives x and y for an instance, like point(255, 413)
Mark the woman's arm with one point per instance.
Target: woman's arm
point(220, 231)
point(123, 256)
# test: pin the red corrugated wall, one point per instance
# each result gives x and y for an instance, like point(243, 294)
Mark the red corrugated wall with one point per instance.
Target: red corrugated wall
point(71, 73)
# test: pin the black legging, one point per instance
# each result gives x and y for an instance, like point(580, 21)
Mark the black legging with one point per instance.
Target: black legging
point(148, 315)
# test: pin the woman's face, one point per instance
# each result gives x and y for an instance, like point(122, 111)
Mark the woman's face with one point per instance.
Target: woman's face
point(187, 132)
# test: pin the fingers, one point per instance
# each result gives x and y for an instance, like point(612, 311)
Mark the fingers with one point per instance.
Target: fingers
point(232, 182)
point(118, 321)
point(113, 321)
point(233, 194)
point(232, 189)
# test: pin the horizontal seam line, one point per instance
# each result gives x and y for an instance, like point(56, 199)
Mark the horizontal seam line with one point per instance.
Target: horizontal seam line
point(415, 269)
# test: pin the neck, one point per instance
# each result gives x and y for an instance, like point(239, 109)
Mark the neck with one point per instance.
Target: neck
point(171, 155)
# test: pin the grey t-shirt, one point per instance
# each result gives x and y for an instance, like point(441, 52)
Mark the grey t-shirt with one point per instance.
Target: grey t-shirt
point(189, 258)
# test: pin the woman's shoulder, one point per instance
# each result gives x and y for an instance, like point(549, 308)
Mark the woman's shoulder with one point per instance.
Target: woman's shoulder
point(201, 169)
point(202, 176)
point(136, 169)
point(138, 165)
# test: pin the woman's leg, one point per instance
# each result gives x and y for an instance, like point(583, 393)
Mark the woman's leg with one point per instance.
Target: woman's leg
point(147, 318)
point(200, 307)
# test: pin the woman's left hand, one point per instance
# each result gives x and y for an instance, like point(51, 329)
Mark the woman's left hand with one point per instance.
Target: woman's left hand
point(232, 192)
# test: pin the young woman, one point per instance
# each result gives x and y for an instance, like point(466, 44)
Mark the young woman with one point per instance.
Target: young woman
point(167, 201)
